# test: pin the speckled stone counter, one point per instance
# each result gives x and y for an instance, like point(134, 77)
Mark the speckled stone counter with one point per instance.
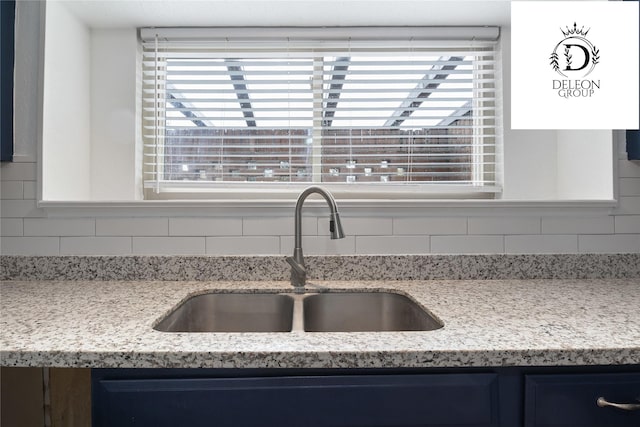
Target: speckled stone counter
point(351, 267)
point(487, 323)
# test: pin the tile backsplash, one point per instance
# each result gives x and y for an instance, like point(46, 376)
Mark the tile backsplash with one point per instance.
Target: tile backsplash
point(27, 230)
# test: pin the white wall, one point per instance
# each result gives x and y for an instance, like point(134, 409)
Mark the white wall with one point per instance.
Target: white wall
point(66, 106)
point(113, 114)
point(585, 172)
point(553, 164)
point(28, 230)
point(530, 163)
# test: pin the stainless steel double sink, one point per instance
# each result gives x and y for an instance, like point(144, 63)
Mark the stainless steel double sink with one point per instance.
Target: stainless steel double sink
point(285, 312)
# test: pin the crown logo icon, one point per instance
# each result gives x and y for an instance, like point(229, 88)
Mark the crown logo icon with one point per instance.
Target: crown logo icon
point(575, 31)
point(575, 52)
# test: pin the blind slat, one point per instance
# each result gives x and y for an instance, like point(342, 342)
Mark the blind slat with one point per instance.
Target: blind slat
point(484, 99)
point(372, 91)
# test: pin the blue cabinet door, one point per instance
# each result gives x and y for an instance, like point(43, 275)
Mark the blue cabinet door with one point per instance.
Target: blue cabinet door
point(469, 400)
point(7, 55)
point(571, 400)
point(633, 144)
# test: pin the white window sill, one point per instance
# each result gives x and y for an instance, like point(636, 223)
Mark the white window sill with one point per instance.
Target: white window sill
point(347, 207)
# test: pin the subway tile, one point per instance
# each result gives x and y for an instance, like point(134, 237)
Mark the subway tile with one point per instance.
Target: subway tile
point(30, 190)
point(430, 226)
point(20, 209)
point(205, 227)
point(278, 226)
point(132, 227)
point(30, 246)
point(243, 245)
point(618, 243)
point(541, 244)
point(11, 227)
point(628, 169)
point(12, 190)
point(95, 245)
point(362, 226)
point(629, 187)
point(467, 244)
point(578, 225)
point(386, 245)
point(169, 245)
point(323, 227)
point(628, 206)
point(59, 227)
point(18, 171)
point(319, 245)
point(627, 224)
point(504, 225)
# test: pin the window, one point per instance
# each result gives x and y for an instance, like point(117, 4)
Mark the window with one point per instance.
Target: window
point(380, 109)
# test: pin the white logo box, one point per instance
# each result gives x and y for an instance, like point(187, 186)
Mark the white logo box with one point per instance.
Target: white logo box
point(574, 65)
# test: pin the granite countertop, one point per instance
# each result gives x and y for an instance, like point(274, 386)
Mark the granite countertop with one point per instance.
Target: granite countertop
point(487, 323)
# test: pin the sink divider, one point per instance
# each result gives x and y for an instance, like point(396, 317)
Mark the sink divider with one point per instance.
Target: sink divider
point(298, 313)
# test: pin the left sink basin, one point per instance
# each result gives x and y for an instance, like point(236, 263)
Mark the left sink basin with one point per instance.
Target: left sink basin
point(231, 313)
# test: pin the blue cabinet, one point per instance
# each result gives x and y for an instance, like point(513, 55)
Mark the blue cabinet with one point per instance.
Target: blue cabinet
point(310, 401)
point(633, 144)
point(470, 397)
point(7, 55)
point(571, 400)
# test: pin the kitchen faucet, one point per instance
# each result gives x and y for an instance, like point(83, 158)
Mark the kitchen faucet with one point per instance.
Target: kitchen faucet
point(298, 269)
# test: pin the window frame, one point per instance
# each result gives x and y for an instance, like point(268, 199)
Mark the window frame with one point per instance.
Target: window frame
point(196, 190)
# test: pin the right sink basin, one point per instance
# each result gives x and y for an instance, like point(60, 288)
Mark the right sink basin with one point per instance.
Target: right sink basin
point(365, 312)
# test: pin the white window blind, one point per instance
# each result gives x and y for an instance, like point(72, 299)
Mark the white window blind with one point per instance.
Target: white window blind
point(370, 108)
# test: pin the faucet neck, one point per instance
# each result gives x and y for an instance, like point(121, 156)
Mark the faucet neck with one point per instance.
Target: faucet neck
point(298, 214)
